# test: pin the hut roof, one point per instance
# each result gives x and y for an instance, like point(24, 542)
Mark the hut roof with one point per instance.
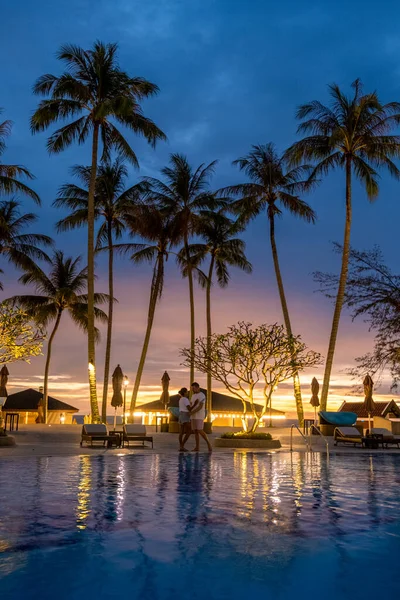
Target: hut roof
point(220, 403)
point(29, 399)
point(381, 409)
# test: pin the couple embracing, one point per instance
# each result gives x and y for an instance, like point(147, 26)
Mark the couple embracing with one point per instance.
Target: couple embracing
point(191, 417)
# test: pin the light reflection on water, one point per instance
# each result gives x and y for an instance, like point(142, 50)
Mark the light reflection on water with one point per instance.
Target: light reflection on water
point(193, 525)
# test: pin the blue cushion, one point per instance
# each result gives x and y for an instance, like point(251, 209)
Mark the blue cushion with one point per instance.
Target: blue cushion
point(344, 419)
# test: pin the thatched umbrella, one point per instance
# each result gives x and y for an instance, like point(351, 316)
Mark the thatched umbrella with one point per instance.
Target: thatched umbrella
point(116, 400)
point(369, 404)
point(3, 382)
point(3, 390)
point(165, 379)
point(314, 398)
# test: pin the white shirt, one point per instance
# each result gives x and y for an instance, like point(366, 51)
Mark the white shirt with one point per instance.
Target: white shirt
point(200, 414)
point(184, 404)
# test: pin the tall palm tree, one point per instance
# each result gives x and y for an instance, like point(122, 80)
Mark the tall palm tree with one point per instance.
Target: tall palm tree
point(62, 289)
point(112, 203)
point(161, 231)
point(225, 250)
point(352, 133)
point(184, 193)
point(10, 174)
point(95, 88)
point(271, 189)
point(20, 248)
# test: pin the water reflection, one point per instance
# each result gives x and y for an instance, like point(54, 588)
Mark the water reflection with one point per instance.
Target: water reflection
point(167, 509)
point(84, 488)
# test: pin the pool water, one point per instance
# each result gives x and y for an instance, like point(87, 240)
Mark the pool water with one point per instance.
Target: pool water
point(163, 527)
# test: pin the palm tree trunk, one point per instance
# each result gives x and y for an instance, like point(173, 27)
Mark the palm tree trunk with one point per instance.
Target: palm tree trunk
point(209, 333)
point(341, 290)
point(47, 366)
point(90, 259)
point(110, 322)
point(154, 295)
point(192, 321)
point(286, 319)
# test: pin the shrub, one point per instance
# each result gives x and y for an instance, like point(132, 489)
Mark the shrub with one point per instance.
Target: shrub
point(243, 435)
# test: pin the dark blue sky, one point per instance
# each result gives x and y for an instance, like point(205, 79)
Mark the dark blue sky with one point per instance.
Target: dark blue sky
point(231, 74)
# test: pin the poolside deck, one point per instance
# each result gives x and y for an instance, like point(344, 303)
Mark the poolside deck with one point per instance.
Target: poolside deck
point(63, 440)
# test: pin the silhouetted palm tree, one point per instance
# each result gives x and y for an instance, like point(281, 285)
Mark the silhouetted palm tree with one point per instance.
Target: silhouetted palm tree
point(161, 231)
point(112, 203)
point(352, 133)
point(17, 246)
point(272, 188)
point(94, 89)
point(225, 250)
point(184, 192)
point(10, 174)
point(62, 289)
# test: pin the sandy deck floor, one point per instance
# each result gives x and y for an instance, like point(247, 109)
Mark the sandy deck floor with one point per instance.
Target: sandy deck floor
point(63, 440)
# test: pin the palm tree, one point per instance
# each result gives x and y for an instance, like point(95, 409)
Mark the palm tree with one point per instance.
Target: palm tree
point(20, 248)
point(225, 250)
point(161, 231)
point(272, 188)
point(184, 193)
point(94, 87)
point(62, 289)
point(353, 133)
point(112, 202)
point(9, 174)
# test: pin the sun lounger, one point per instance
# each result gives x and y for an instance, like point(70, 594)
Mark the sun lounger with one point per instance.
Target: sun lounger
point(347, 435)
point(387, 436)
point(135, 433)
point(95, 433)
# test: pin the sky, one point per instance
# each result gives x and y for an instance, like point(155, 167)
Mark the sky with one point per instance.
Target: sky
point(231, 74)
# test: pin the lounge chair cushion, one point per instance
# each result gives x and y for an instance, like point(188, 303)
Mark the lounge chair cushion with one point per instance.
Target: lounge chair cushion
point(351, 432)
point(135, 429)
point(98, 429)
point(382, 431)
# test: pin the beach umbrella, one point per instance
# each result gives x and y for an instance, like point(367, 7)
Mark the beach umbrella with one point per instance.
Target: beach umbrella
point(3, 382)
point(3, 385)
point(165, 379)
point(314, 398)
point(117, 381)
point(369, 404)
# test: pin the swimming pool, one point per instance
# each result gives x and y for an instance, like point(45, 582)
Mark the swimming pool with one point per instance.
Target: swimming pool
point(231, 526)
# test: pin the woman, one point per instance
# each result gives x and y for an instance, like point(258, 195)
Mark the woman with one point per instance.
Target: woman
point(184, 419)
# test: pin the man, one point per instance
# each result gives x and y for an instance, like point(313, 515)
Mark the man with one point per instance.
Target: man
point(197, 416)
point(184, 419)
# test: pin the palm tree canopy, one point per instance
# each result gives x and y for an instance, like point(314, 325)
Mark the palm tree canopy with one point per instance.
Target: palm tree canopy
point(94, 89)
point(184, 191)
point(18, 247)
point(356, 127)
point(113, 201)
point(270, 185)
point(219, 234)
point(160, 232)
point(10, 174)
point(62, 289)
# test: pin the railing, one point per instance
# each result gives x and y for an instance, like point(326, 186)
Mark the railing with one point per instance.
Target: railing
point(302, 435)
point(323, 437)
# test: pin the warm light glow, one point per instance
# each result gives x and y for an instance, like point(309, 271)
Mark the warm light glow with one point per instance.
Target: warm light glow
point(126, 381)
point(62, 419)
point(247, 416)
point(91, 367)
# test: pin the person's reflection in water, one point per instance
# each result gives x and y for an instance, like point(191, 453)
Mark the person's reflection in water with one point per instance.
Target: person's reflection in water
point(194, 485)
